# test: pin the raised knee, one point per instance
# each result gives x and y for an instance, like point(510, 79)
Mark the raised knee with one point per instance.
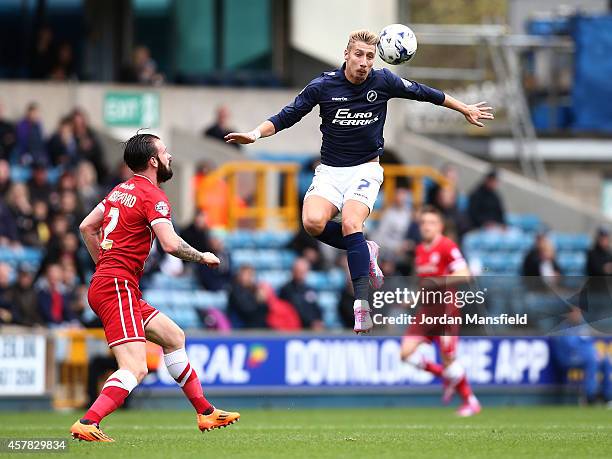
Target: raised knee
point(314, 224)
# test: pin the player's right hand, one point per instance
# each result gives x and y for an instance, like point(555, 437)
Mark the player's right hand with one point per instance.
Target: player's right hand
point(240, 137)
point(210, 260)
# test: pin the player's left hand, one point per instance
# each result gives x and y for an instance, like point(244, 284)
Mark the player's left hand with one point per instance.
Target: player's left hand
point(479, 111)
point(210, 260)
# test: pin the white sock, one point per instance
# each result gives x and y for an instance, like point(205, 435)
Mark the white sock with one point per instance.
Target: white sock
point(363, 304)
point(454, 372)
point(178, 366)
point(123, 379)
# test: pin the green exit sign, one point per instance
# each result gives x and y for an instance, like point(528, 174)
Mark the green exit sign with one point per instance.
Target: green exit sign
point(137, 109)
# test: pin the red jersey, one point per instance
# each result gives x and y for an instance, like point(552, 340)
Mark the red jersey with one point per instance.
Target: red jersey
point(131, 210)
point(441, 258)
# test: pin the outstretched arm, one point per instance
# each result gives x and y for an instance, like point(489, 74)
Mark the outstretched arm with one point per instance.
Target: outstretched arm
point(473, 113)
point(173, 244)
point(287, 117)
point(265, 129)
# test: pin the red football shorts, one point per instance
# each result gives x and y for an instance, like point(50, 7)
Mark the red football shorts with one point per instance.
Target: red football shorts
point(120, 307)
point(446, 336)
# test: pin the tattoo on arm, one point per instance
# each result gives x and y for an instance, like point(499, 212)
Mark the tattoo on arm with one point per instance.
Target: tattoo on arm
point(186, 252)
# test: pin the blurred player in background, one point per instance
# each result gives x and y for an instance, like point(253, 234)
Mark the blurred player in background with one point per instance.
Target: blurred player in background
point(353, 107)
point(119, 233)
point(439, 264)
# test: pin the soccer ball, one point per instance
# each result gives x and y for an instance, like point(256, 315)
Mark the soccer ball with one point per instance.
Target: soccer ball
point(397, 44)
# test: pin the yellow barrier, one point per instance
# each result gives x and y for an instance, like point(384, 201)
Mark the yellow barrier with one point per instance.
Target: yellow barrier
point(417, 176)
point(224, 180)
point(71, 388)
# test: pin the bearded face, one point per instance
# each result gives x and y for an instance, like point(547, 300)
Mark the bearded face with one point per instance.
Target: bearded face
point(164, 172)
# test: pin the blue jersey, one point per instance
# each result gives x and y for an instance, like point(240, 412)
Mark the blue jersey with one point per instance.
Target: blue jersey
point(352, 115)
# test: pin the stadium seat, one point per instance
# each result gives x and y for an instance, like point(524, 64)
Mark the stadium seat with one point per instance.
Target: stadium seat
point(162, 281)
point(275, 278)
point(572, 263)
point(568, 241)
point(525, 222)
point(328, 302)
point(263, 258)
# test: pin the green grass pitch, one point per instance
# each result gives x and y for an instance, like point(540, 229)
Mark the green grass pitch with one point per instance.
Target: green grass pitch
point(536, 432)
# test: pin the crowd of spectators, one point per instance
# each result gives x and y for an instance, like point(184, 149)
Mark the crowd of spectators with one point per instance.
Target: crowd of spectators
point(47, 185)
point(64, 174)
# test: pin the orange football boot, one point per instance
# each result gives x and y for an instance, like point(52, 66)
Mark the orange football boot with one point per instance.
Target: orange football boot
point(88, 432)
point(216, 419)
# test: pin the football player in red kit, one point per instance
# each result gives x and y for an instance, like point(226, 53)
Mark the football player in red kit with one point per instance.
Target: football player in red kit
point(439, 264)
point(119, 233)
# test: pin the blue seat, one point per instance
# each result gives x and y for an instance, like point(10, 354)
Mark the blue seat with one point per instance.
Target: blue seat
point(526, 222)
point(569, 241)
point(572, 263)
point(263, 258)
point(271, 239)
point(274, 277)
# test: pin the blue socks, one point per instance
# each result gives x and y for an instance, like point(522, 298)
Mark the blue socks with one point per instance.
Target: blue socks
point(332, 235)
point(357, 254)
point(358, 257)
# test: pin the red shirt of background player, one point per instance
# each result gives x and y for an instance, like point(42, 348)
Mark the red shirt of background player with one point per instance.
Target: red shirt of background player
point(439, 259)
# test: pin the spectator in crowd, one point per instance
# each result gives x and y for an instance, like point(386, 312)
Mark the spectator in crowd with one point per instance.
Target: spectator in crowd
point(70, 207)
point(8, 227)
point(122, 173)
point(19, 202)
point(67, 183)
point(82, 310)
point(24, 299)
point(64, 68)
point(59, 227)
point(87, 186)
point(53, 297)
point(65, 254)
point(309, 248)
point(451, 174)
point(40, 212)
point(142, 69)
point(197, 234)
point(411, 239)
point(220, 128)
point(8, 138)
point(576, 349)
point(62, 145)
point(393, 225)
point(599, 257)
point(456, 222)
point(44, 54)
point(6, 307)
point(247, 306)
point(30, 138)
point(541, 261)
point(39, 187)
point(486, 209)
point(302, 297)
point(220, 277)
point(89, 146)
point(5, 178)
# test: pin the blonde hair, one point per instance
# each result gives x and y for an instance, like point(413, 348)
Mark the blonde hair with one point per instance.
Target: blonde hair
point(364, 36)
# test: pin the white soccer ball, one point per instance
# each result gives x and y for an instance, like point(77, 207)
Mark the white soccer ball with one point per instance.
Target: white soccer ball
point(397, 44)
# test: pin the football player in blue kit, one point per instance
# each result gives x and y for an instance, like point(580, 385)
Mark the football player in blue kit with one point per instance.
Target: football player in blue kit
point(353, 107)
